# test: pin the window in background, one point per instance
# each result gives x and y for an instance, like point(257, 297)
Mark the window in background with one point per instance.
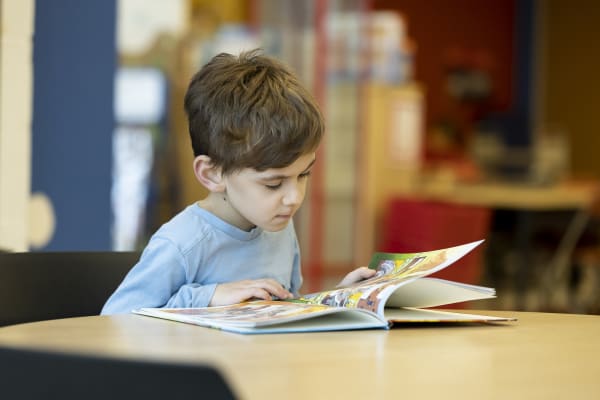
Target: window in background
point(140, 103)
point(147, 32)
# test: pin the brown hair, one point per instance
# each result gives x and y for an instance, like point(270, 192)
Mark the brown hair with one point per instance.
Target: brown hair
point(251, 111)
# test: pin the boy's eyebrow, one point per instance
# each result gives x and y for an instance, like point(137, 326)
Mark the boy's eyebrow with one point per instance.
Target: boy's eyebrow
point(281, 176)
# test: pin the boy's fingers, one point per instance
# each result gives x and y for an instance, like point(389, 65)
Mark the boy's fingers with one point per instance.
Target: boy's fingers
point(235, 292)
point(361, 273)
point(366, 272)
point(279, 290)
point(273, 288)
point(357, 275)
point(259, 293)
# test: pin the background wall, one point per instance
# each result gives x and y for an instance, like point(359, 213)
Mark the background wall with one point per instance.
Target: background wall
point(75, 61)
point(570, 82)
point(467, 34)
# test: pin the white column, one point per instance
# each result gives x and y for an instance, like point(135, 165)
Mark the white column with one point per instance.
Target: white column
point(16, 76)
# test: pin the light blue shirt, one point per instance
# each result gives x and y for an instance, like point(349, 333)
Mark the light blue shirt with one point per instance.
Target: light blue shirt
point(193, 252)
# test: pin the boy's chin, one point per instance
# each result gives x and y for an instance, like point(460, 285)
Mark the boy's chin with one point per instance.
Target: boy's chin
point(274, 227)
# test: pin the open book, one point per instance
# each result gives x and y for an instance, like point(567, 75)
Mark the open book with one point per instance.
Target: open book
point(396, 294)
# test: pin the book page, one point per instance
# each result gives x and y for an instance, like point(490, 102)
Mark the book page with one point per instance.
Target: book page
point(416, 315)
point(393, 271)
point(431, 292)
point(247, 314)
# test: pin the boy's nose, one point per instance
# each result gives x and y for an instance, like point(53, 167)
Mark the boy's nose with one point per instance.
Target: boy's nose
point(294, 196)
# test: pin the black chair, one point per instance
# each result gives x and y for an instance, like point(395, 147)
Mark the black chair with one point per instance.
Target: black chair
point(39, 286)
point(37, 374)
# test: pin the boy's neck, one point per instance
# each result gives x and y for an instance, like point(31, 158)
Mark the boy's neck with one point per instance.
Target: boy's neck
point(216, 204)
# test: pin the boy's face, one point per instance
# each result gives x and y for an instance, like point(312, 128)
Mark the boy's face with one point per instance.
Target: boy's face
point(267, 199)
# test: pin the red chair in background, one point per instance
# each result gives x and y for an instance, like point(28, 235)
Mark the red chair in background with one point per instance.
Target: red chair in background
point(412, 225)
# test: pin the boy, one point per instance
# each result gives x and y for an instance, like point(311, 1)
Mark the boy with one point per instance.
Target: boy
point(254, 132)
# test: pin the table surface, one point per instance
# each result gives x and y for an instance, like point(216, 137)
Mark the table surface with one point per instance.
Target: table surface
point(539, 356)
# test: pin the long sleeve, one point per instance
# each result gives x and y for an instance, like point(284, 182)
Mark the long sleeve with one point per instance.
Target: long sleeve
point(158, 280)
point(190, 255)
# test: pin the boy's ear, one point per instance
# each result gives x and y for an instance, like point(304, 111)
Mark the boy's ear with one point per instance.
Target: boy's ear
point(208, 175)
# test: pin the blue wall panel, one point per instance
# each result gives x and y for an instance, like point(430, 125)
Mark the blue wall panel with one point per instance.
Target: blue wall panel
point(74, 66)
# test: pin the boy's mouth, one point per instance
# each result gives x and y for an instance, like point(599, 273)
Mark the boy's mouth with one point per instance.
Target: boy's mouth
point(284, 216)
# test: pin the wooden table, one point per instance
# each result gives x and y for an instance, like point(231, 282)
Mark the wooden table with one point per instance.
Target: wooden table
point(541, 356)
point(561, 196)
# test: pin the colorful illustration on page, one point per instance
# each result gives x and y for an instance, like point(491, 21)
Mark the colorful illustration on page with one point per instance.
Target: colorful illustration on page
point(255, 312)
point(391, 270)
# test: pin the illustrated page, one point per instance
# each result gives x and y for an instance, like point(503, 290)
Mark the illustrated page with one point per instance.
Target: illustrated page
point(393, 271)
point(249, 313)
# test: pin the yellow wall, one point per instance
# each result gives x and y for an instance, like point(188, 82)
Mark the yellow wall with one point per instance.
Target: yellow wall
point(225, 10)
point(384, 169)
point(571, 81)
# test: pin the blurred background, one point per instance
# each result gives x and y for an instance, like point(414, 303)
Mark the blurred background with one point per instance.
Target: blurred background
point(447, 122)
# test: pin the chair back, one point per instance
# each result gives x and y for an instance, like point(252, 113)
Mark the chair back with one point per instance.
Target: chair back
point(36, 374)
point(37, 286)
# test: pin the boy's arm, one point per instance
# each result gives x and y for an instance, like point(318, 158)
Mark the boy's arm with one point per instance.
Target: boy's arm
point(159, 279)
point(151, 282)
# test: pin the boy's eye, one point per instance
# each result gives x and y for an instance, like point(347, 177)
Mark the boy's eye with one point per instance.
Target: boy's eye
point(274, 186)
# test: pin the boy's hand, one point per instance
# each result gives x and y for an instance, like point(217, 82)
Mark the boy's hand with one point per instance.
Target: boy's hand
point(359, 274)
point(236, 292)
